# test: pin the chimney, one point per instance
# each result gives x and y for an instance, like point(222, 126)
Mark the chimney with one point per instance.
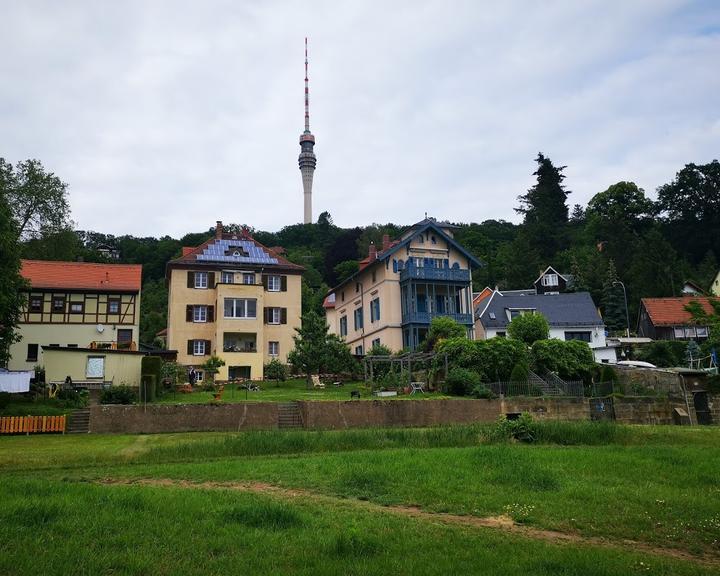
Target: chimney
point(372, 255)
point(218, 230)
point(386, 242)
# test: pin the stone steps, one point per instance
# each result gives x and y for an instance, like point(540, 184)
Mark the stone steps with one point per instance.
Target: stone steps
point(289, 416)
point(79, 422)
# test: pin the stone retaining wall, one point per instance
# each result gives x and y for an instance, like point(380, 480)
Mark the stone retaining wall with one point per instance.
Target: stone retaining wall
point(157, 418)
point(332, 415)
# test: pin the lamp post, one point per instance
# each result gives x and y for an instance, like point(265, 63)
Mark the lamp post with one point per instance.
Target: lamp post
point(627, 316)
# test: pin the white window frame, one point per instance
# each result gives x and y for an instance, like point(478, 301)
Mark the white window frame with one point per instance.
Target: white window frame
point(248, 276)
point(228, 278)
point(200, 313)
point(81, 305)
point(359, 350)
point(199, 376)
point(198, 347)
point(273, 348)
point(113, 302)
point(550, 280)
point(201, 280)
point(240, 305)
point(274, 316)
point(274, 283)
point(95, 367)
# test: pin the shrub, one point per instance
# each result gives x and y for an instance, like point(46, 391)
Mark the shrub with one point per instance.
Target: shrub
point(461, 381)
point(571, 360)
point(119, 395)
point(522, 429)
point(212, 366)
point(483, 392)
point(442, 328)
point(70, 398)
point(663, 353)
point(492, 360)
point(520, 373)
point(529, 328)
point(608, 374)
point(275, 370)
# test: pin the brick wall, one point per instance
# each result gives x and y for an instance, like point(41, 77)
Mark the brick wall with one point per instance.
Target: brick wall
point(157, 418)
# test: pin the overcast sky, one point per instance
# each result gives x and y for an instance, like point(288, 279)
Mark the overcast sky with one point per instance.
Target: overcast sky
point(163, 117)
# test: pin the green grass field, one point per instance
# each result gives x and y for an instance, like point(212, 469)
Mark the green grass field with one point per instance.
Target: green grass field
point(588, 500)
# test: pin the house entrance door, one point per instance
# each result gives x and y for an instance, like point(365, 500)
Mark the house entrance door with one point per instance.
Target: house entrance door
point(702, 409)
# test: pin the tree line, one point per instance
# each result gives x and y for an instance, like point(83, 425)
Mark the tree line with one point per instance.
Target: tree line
point(621, 235)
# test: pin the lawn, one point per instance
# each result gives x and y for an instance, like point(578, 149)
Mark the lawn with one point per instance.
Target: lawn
point(288, 391)
point(402, 501)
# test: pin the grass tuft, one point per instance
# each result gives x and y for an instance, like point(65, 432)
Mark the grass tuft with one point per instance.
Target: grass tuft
point(263, 514)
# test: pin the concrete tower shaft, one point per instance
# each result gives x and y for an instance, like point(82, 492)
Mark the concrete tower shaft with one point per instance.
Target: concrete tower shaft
point(307, 159)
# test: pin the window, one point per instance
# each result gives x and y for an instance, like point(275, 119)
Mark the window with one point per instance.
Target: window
point(358, 318)
point(72, 345)
point(274, 348)
point(273, 283)
point(228, 278)
point(343, 326)
point(273, 316)
point(113, 306)
point(342, 296)
point(36, 303)
point(198, 347)
point(76, 307)
point(199, 313)
point(240, 308)
point(375, 310)
point(702, 332)
point(32, 353)
point(248, 278)
point(95, 367)
point(582, 336)
point(358, 350)
point(58, 304)
point(201, 280)
point(515, 312)
point(501, 334)
point(376, 342)
point(550, 280)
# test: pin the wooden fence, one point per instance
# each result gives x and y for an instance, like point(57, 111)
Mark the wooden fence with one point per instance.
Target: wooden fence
point(31, 424)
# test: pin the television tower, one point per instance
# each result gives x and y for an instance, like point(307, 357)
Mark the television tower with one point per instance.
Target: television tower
point(307, 159)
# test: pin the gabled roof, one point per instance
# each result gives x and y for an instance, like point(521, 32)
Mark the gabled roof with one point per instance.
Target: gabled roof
point(481, 296)
point(566, 277)
point(421, 227)
point(82, 276)
point(569, 309)
point(671, 311)
point(233, 250)
point(329, 301)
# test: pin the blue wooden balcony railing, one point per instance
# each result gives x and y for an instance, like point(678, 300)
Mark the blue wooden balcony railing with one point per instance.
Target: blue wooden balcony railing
point(439, 274)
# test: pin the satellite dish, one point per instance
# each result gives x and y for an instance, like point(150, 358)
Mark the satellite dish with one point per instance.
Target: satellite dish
point(100, 328)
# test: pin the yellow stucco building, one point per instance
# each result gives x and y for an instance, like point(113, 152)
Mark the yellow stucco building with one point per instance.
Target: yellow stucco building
point(234, 298)
point(400, 287)
point(77, 305)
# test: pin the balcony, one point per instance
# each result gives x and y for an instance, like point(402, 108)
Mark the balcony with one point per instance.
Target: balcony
point(426, 317)
point(239, 342)
point(435, 274)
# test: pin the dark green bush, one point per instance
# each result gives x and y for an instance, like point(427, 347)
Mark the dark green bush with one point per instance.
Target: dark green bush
point(571, 360)
point(152, 366)
point(493, 360)
point(520, 372)
point(70, 398)
point(522, 429)
point(663, 353)
point(460, 381)
point(119, 395)
point(483, 392)
point(275, 370)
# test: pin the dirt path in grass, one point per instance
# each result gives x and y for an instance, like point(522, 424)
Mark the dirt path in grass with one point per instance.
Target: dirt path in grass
point(504, 523)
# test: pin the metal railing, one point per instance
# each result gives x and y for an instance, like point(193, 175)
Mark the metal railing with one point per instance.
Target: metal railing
point(430, 273)
point(575, 389)
point(426, 317)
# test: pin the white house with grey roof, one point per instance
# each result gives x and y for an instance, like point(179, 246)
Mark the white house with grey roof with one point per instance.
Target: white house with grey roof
point(571, 316)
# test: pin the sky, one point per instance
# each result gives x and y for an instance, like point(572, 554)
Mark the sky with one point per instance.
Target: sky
point(165, 116)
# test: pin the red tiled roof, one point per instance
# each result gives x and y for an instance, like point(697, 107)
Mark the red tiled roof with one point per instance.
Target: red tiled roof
point(329, 301)
point(82, 275)
point(671, 311)
point(482, 295)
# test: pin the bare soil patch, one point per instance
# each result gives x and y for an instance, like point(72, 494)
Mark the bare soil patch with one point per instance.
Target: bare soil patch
point(503, 522)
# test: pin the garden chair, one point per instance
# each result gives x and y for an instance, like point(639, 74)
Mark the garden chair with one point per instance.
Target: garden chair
point(316, 381)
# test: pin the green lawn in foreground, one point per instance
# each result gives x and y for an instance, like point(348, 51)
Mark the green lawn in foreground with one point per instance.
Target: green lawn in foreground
point(288, 391)
point(653, 484)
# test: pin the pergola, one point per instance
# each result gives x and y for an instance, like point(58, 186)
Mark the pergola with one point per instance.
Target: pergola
point(403, 361)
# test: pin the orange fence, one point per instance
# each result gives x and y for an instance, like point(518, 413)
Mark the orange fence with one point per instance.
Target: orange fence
point(31, 424)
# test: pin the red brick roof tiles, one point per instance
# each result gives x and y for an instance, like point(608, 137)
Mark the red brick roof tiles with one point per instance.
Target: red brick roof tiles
point(82, 275)
point(671, 311)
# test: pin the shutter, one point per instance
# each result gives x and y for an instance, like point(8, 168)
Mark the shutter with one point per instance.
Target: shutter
point(395, 266)
point(191, 280)
point(265, 282)
point(207, 347)
point(189, 313)
point(283, 283)
point(266, 315)
point(190, 347)
point(283, 315)
point(211, 314)
point(211, 279)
